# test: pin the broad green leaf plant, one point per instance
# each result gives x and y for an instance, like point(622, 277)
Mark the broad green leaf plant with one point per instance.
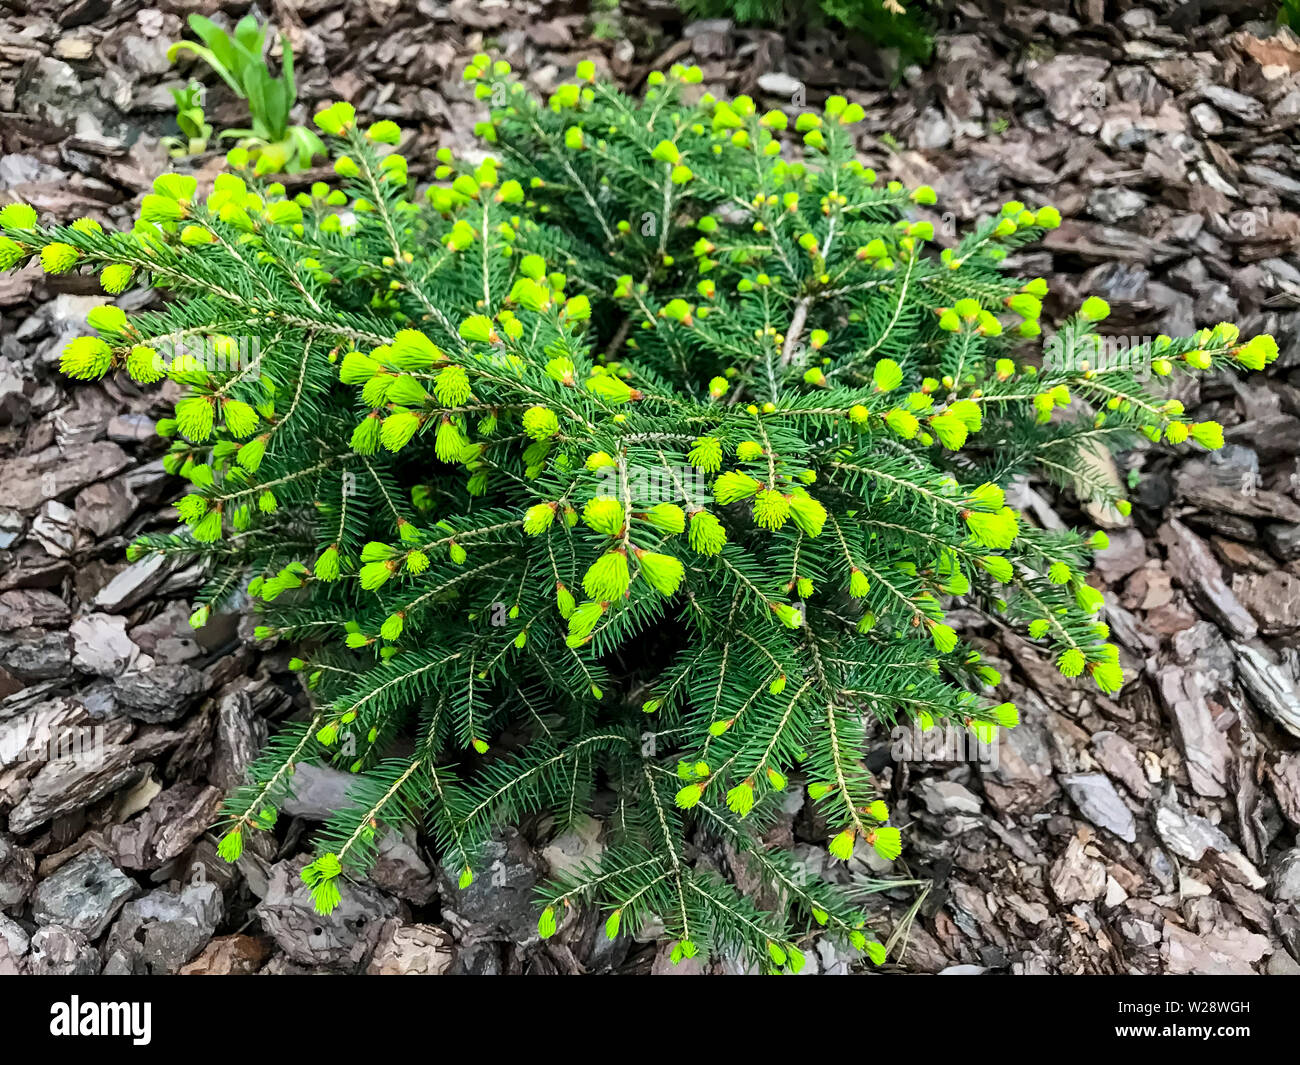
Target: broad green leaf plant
point(633, 470)
point(195, 129)
point(274, 145)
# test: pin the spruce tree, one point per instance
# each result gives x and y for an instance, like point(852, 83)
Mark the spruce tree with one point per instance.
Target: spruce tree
point(634, 467)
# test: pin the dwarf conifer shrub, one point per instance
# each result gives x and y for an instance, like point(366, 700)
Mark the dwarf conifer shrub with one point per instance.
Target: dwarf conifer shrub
point(631, 469)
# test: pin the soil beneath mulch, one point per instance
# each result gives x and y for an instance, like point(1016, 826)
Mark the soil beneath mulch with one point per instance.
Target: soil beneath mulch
point(1152, 832)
